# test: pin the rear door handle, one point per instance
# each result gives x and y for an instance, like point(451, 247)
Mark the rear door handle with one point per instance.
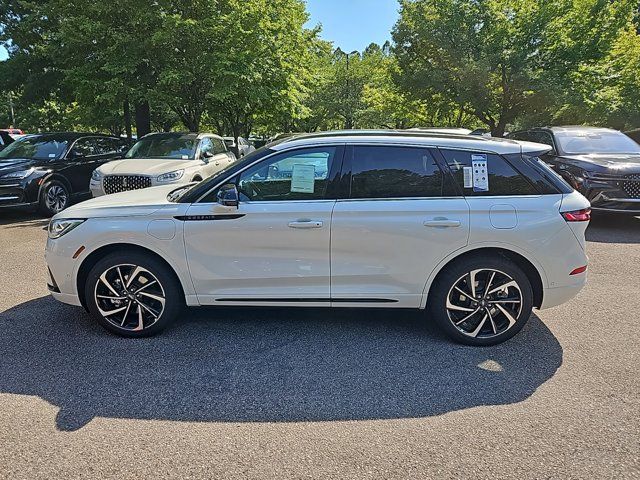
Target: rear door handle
point(306, 224)
point(442, 223)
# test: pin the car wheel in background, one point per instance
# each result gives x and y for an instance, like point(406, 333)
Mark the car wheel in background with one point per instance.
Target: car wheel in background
point(481, 300)
point(133, 294)
point(54, 197)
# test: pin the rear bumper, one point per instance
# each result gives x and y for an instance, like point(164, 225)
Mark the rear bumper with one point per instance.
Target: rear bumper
point(552, 297)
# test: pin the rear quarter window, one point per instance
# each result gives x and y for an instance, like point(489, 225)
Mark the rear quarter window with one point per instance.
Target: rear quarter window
point(504, 179)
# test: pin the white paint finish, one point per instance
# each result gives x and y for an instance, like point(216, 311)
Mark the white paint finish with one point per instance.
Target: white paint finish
point(383, 249)
point(260, 255)
point(503, 216)
point(162, 229)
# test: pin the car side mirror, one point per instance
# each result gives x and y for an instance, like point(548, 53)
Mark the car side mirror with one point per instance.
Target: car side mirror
point(206, 155)
point(228, 195)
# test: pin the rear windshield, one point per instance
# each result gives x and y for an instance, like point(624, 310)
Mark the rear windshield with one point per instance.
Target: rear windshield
point(161, 146)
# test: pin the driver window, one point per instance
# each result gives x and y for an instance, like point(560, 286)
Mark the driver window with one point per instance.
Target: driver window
point(298, 175)
point(85, 147)
point(206, 145)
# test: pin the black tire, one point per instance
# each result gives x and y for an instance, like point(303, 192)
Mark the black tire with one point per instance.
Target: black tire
point(156, 315)
point(498, 326)
point(54, 197)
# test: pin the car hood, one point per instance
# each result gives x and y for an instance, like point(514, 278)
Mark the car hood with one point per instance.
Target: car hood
point(611, 163)
point(144, 166)
point(8, 165)
point(144, 201)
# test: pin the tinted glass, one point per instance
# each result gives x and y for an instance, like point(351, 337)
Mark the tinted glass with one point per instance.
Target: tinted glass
point(297, 175)
point(86, 147)
point(179, 147)
point(585, 142)
point(108, 146)
point(218, 146)
point(35, 147)
point(394, 172)
point(503, 178)
point(541, 137)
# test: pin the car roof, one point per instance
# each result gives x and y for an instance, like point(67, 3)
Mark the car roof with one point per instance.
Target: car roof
point(192, 135)
point(414, 137)
point(68, 136)
point(569, 129)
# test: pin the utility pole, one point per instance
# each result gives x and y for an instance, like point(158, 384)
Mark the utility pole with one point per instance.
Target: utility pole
point(13, 117)
point(349, 123)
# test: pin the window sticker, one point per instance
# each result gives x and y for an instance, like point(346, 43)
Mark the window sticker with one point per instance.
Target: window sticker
point(303, 178)
point(52, 155)
point(185, 157)
point(480, 173)
point(468, 177)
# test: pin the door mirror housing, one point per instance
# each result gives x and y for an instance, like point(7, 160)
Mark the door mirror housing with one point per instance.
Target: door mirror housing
point(206, 155)
point(228, 195)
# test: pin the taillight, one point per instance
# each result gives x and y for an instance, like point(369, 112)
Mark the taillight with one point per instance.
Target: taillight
point(583, 215)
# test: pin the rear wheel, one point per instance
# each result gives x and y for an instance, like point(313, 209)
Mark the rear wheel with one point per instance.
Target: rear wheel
point(481, 300)
point(133, 294)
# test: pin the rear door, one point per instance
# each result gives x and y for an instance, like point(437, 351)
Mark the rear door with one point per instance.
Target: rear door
point(400, 217)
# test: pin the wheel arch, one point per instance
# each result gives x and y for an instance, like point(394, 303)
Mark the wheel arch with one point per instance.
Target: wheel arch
point(54, 176)
point(533, 273)
point(94, 257)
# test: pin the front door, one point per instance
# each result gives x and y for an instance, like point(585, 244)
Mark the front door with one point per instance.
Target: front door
point(402, 217)
point(274, 248)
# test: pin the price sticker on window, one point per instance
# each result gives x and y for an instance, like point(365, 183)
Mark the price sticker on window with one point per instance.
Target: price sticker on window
point(303, 178)
point(480, 173)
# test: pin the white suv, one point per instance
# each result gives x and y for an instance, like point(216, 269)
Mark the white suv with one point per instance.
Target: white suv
point(161, 159)
point(476, 231)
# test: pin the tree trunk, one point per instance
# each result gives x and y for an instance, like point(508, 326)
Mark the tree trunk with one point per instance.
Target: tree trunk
point(127, 119)
point(143, 118)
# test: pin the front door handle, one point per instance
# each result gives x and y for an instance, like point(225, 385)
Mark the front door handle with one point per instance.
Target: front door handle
point(306, 224)
point(442, 223)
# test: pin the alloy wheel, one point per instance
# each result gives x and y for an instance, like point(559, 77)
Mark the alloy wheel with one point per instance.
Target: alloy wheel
point(484, 303)
point(56, 198)
point(129, 297)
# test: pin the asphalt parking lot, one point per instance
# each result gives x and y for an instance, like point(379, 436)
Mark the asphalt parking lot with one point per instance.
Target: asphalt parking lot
point(274, 393)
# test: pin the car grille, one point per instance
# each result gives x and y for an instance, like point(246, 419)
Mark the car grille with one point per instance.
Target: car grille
point(122, 183)
point(632, 185)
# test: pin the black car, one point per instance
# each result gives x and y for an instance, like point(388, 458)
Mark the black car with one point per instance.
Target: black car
point(51, 170)
point(602, 164)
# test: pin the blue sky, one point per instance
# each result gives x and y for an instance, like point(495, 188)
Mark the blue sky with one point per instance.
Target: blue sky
point(354, 24)
point(349, 24)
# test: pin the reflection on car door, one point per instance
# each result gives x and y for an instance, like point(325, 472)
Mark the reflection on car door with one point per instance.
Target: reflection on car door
point(274, 248)
point(401, 217)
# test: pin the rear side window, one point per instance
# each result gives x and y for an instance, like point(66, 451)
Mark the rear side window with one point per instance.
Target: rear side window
point(395, 172)
point(503, 179)
point(218, 146)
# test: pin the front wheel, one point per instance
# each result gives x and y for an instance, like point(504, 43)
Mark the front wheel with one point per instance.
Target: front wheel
point(482, 300)
point(133, 294)
point(54, 197)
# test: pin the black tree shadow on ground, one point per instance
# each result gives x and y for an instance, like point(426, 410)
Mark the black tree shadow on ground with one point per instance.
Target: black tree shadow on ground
point(256, 365)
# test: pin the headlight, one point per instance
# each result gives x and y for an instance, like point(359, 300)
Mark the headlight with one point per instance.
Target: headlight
point(171, 176)
point(96, 175)
point(20, 174)
point(58, 228)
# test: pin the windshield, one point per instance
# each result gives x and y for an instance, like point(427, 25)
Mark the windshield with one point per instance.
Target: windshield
point(176, 147)
point(596, 142)
point(36, 148)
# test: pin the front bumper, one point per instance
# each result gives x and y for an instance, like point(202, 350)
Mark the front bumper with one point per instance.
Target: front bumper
point(611, 194)
point(14, 194)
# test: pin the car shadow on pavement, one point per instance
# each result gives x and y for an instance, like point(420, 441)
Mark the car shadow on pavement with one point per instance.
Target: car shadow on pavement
point(259, 365)
point(608, 228)
point(21, 219)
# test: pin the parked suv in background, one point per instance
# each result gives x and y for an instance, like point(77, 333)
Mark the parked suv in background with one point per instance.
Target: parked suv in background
point(602, 164)
point(51, 170)
point(477, 231)
point(161, 159)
